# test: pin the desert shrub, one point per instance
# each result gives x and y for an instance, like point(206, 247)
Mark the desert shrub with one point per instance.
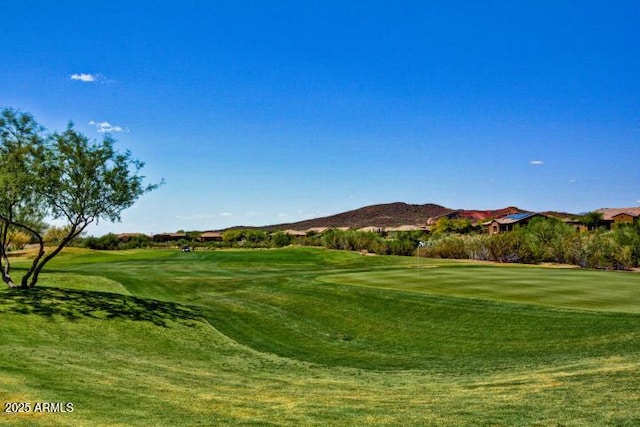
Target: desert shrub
point(627, 237)
point(606, 250)
point(549, 239)
point(256, 237)
point(310, 240)
point(365, 241)
point(136, 242)
point(334, 239)
point(508, 247)
point(447, 246)
point(597, 251)
point(107, 242)
point(280, 239)
point(55, 234)
point(476, 247)
point(402, 247)
point(233, 236)
point(18, 240)
point(446, 225)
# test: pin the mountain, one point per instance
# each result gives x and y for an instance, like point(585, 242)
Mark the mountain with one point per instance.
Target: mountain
point(397, 214)
point(383, 215)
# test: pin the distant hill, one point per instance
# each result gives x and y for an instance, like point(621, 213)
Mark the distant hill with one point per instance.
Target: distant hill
point(397, 214)
point(383, 215)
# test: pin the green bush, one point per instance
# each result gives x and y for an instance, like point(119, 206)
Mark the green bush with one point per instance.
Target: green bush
point(281, 239)
point(447, 246)
point(107, 242)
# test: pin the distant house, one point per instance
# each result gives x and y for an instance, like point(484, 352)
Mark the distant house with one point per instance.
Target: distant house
point(625, 217)
point(125, 237)
point(317, 230)
point(295, 233)
point(476, 216)
point(509, 222)
point(372, 229)
point(612, 216)
point(169, 237)
point(211, 236)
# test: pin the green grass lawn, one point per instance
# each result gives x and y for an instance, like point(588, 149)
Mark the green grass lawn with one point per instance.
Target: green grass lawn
point(315, 337)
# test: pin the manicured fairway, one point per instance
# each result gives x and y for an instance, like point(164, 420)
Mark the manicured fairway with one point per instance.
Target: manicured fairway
point(314, 337)
point(554, 287)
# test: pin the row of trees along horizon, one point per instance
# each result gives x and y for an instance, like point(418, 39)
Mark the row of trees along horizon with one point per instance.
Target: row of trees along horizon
point(542, 240)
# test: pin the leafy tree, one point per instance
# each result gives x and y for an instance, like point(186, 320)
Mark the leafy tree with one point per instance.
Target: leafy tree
point(448, 246)
point(22, 144)
point(255, 237)
point(193, 236)
point(508, 247)
point(447, 225)
point(106, 242)
point(18, 240)
point(592, 220)
point(55, 234)
point(627, 239)
point(549, 239)
point(65, 176)
point(598, 250)
point(138, 241)
point(334, 239)
point(404, 247)
point(233, 235)
point(280, 239)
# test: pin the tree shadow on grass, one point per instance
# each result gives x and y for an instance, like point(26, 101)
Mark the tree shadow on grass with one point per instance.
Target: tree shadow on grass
point(76, 305)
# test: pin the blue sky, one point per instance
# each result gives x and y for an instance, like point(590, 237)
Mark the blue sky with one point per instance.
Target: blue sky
point(264, 112)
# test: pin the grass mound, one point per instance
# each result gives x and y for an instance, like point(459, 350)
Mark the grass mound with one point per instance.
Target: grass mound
point(73, 305)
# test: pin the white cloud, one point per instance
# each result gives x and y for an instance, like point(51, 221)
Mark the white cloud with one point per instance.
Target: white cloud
point(536, 162)
point(86, 77)
point(106, 127)
point(226, 214)
point(573, 181)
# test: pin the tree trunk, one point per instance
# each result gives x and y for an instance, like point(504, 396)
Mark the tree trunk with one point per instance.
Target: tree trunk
point(5, 267)
point(34, 267)
point(40, 262)
point(5, 264)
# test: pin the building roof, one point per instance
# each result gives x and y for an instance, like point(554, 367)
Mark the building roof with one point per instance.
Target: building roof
point(170, 235)
point(371, 228)
point(211, 234)
point(513, 218)
point(609, 213)
point(295, 233)
point(317, 229)
point(121, 235)
point(625, 213)
point(519, 216)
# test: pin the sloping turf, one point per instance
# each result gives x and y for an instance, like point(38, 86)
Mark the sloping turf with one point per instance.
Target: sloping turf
point(309, 336)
